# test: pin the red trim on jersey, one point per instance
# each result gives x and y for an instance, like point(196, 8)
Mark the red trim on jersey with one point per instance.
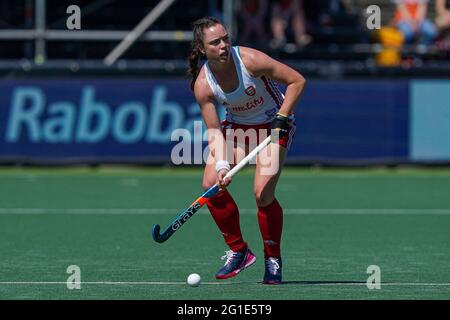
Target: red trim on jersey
point(277, 91)
point(271, 92)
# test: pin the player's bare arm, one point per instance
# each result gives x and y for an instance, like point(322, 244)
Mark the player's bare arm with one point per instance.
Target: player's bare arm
point(216, 141)
point(260, 64)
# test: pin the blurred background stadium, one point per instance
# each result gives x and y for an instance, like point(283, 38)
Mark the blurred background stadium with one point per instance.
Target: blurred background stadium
point(374, 100)
point(371, 98)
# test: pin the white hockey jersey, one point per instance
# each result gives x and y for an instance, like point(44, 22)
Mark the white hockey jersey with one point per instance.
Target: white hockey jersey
point(255, 100)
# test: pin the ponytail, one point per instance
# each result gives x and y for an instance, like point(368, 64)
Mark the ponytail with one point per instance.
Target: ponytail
point(197, 45)
point(193, 70)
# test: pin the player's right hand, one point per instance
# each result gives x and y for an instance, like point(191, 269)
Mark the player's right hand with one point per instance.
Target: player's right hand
point(223, 182)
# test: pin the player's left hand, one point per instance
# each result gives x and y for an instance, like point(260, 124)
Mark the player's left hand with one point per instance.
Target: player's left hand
point(280, 126)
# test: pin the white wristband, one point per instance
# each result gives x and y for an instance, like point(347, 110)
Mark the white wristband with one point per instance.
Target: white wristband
point(222, 164)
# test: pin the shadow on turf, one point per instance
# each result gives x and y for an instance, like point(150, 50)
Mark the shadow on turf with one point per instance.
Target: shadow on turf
point(309, 282)
point(319, 282)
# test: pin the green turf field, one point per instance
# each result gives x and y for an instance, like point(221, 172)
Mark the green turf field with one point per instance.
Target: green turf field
point(337, 223)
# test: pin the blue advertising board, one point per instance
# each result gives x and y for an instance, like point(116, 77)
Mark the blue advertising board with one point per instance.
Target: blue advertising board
point(93, 120)
point(430, 121)
point(132, 120)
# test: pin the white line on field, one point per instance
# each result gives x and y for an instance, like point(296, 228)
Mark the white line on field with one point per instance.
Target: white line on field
point(175, 211)
point(150, 283)
point(125, 283)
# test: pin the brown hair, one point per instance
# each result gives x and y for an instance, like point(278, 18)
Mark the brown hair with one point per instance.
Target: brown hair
point(197, 45)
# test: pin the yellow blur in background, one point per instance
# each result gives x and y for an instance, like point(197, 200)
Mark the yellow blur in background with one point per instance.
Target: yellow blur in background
point(392, 41)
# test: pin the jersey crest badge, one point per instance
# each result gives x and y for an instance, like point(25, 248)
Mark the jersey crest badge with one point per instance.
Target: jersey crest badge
point(250, 91)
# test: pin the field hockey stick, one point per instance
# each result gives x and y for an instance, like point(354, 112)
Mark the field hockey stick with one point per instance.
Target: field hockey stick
point(197, 204)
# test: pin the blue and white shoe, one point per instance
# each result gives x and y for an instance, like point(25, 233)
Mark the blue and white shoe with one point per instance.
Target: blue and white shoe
point(273, 271)
point(236, 262)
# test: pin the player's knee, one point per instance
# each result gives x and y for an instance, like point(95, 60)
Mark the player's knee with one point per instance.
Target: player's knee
point(263, 197)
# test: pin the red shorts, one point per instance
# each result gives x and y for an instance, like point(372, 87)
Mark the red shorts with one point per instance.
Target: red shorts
point(261, 131)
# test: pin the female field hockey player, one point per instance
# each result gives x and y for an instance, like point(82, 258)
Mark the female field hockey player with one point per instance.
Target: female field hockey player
point(242, 80)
